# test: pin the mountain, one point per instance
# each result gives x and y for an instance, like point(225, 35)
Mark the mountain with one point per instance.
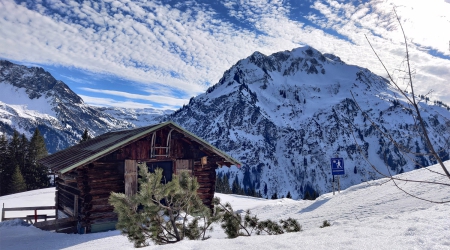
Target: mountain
point(138, 117)
point(284, 116)
point(32, 98)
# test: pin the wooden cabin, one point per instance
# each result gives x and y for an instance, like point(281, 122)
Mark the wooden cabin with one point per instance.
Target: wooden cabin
point(87, 173)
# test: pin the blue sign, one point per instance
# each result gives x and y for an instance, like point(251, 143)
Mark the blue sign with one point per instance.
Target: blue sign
point(337, 166)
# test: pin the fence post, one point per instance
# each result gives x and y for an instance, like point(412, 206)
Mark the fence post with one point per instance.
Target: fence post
point(35, 215)
point(3, 212)
point(56, 204)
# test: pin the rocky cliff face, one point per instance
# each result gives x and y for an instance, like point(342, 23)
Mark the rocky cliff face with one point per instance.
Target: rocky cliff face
point(32, 97)
point(285, 115)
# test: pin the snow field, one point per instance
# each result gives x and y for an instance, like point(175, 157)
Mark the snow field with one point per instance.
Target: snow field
point(371, 215)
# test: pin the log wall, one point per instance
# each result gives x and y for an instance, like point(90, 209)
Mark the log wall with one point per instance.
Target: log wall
point(67, 192)
point(206, 177)
point(96, 181)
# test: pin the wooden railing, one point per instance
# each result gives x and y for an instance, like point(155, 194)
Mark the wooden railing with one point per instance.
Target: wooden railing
point(30, 218)
point(63, 225)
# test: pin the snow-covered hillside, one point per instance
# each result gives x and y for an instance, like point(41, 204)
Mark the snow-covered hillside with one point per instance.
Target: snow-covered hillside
point(285, 115)
point(371, 215)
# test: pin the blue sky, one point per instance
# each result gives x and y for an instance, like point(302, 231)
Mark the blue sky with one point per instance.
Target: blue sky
point(158, 54)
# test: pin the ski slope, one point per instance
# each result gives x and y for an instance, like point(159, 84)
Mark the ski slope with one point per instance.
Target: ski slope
point(371, 215)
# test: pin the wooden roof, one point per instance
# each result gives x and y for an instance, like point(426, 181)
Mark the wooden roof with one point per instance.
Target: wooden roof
point(94, 149)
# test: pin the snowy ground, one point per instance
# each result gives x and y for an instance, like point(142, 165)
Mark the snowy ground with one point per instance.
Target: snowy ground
point(373, 215)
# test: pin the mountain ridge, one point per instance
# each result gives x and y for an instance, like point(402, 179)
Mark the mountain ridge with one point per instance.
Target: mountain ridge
point(285, 115)
point(32, 98)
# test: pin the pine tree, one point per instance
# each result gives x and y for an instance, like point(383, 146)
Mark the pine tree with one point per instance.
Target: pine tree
point(236, 188)
point(37, 176)
point(274, 196)
point(85, 137)
point(22, 153)
point(22, 158)
point(226, 185)
point(11, 161)
point(14, 150)
point(18, 183)
point(6, 172)
point(289, 196)
point(219, 184)
point(307, 195)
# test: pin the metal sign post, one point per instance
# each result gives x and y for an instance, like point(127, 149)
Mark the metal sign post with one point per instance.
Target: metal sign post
point(333, 184)
point(337, 168)
point(339, 185)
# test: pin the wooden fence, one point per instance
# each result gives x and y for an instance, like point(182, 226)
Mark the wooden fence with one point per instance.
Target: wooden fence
point(32, 217)
point(63, 225)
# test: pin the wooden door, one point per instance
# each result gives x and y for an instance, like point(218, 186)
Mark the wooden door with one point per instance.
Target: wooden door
point(184, 165)
point(130, 177)
point(166, 166)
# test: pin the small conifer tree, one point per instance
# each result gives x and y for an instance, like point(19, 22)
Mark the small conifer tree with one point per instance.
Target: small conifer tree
point(18, 182)
point(85, 137)
point(274, 196)
point(159, 212)
point(235, 225)
point(289, 196)
point(37, 174)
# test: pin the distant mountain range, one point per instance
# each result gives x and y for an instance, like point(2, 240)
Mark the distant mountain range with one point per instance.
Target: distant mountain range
point(283, 116)
point(32, 97)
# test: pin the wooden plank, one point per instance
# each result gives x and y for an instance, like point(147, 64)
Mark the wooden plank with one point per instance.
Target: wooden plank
point(68, 210)
point(63, 200)
point(183, 164)
point(68, 230)
point(130, 177)
point(56, 204)
point(103, 215)
point(67, 188)
point(28, 217)
point(56, 224)
point(28, 208)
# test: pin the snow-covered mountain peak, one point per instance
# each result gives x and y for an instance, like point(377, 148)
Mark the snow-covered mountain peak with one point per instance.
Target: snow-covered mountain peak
point(31, 97)
point(285, 115)
point(37, 82)
point(280, 84)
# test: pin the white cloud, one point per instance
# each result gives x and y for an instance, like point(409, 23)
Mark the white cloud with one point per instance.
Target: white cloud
point(424, 25)
point(177, 54)
point(161, 99)
point(108, 102)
